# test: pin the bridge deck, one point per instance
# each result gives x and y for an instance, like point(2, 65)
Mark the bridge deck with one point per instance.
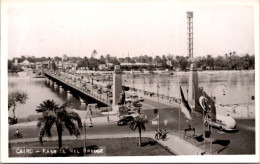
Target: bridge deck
point(90, 94)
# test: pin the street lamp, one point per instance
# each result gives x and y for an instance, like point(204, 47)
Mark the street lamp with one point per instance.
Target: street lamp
point(158, 90)
point(144, 84)
point(204, 142)
point(210, 128)
point(85, 130)
point(107, 109)
point(133, 82)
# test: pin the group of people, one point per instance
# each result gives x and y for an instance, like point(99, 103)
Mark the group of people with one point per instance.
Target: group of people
point(160, 134)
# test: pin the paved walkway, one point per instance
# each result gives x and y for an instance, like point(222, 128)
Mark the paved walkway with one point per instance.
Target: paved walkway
point(173, 143)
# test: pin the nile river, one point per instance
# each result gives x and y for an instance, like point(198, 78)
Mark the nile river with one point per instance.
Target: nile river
point(240, 88)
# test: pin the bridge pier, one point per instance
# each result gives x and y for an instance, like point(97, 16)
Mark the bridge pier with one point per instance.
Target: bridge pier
point(60, 88)
point(81, 101)
point(55, 85)
point(68, 93)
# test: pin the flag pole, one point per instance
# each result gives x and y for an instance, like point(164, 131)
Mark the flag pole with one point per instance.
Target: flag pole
point(168, 92)
point(179, 112)
point(203, 126)
point(158, 120)
point(194, 105)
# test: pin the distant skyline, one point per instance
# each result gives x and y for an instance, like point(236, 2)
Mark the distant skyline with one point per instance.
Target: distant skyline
point(121, 27)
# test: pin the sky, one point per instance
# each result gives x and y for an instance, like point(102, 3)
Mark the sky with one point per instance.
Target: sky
point(120, 28)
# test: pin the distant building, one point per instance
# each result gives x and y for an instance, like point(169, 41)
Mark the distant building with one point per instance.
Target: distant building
point(16, 62)
point(25, 65)
point(64, 57)
point(102, 66)
point(169, 63)
point(42, 65)
point(69, 65)
point(134, 64)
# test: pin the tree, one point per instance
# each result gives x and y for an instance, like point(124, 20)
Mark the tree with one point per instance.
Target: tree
point(57, 114)
point(94, 53)
point(138, 123)
point(15, 97)
point(54, 66)
point(182, 62)
point(102, 60)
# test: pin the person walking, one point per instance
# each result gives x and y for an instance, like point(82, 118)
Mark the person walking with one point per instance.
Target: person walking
point(156, 135)
point(40, 137)
point(164, 134)
point(17, 132)
point(123, 97)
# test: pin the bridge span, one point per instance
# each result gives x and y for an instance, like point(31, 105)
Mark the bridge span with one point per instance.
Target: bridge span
point(84, 93)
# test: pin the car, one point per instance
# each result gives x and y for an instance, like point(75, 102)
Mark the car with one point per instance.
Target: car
point(109, 94)
point(99, 91)
point(136, 104)
point(140, 98)
point(105, 90)
point(125, 120)
point(95, 86)
point(133, 95)
point(109, 86)
point(128, 100)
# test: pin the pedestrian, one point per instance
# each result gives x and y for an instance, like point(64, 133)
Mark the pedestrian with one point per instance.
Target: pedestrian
point(17, 132)
point(156, 134)
point(160, 134)
point(164, 135)
point(40, 137)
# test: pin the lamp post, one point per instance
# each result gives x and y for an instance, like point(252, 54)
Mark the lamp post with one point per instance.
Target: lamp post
point(210, 128)
point(204, 142)
point(144, 84)
point(133, 82)
point(85, 130)
point(158, 89)
point(168, 89)
point(107, 109)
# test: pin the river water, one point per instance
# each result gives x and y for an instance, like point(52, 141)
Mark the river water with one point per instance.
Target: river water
point(240, 88)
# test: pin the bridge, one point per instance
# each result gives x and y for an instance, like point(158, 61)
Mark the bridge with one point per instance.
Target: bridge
point(83, 91)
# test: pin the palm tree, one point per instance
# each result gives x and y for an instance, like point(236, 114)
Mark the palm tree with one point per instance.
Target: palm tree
point(138, 123)
point(57, 114)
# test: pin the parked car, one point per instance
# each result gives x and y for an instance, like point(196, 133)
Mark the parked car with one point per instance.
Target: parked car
point(109, 86)
point(125, 120)
point(136, 104)
point(95, 86)
point(128, 100)
point(109, 94)
point(99, 91)
point(133, 95)
point(105, 90)
point(140, 98)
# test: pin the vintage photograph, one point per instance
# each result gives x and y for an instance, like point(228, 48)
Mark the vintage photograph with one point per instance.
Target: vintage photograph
point(130, 78)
